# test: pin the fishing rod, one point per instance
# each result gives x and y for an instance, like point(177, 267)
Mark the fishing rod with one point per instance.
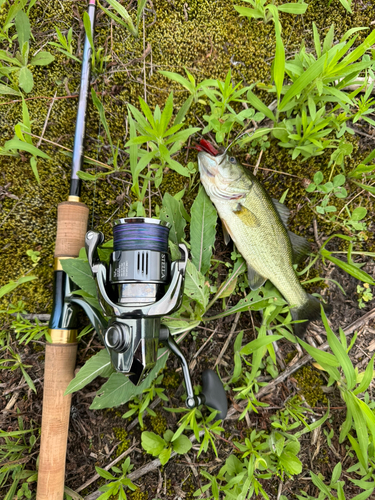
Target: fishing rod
point(138, 288)
point(60, 355)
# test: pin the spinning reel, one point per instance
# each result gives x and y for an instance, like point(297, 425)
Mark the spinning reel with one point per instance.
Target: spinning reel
point(138, 287)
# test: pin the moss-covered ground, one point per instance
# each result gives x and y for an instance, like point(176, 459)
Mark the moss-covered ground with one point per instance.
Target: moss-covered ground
point(206, 37)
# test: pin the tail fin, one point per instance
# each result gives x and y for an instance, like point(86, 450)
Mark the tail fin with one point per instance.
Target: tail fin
point(310, 311)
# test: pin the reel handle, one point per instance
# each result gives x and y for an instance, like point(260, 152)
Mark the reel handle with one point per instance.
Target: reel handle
point(213, 393)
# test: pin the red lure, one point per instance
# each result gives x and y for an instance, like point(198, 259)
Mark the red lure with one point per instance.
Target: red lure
point(207, 147)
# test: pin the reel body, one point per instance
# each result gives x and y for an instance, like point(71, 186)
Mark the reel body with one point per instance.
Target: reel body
point(136, 289)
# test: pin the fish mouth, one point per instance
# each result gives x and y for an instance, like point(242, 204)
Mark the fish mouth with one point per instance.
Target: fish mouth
point(208, 164)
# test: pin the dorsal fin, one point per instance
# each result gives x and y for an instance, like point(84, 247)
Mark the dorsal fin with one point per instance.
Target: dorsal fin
point(282, 210)
point(300, 245)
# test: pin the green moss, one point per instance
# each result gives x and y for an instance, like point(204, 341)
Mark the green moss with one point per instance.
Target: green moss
point(159, 423)
point(138, 495)
point(310, 382)
point(121, 434)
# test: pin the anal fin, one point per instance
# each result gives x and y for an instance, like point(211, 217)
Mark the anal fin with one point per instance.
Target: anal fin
point(255, 279)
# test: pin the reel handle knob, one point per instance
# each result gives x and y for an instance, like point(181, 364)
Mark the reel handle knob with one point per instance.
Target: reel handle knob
point(214, 394)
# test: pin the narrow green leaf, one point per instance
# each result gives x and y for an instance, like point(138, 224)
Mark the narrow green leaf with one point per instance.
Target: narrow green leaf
point(350, 269)
point(25, 146)
point(259, 105)
point(258, 343)
point(12, 285)
point(367, 378)
point(340, 353)
point(34, 168)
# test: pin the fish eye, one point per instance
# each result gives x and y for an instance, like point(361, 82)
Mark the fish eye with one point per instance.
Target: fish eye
point(232, 159)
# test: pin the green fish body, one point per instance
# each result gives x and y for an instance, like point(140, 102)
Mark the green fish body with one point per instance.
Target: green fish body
point(257, 225)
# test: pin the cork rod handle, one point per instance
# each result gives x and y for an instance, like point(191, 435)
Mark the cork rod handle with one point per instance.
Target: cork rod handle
point(60, 360)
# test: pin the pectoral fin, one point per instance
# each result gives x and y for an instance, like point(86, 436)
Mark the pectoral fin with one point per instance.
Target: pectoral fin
point(255, 279)
point(226, 232)
point(246, 216)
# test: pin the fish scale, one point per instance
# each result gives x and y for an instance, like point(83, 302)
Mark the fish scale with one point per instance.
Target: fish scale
point(255, 225)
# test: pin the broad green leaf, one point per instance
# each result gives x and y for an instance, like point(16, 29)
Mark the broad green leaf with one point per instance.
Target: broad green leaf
point(79, 272)
point(152, 443)
point(165, 455)
point(116, 391)
point(89, 31)
point(128, 20)
point(358, 52)
point(23, 28)
point(9, 287)
point(293, 8)
point(182, 444)
point(5, 90)
point(195, 285)
point(202, 231)
point(25, 79)
point(291, 463)
point(97, 365)
point(42, 59)
point(119, 390)
point(248, 12)
point(25, 146)
point(171, 212)
point(359, 213)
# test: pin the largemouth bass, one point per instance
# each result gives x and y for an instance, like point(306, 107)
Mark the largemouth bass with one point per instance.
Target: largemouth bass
point(257, 225)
